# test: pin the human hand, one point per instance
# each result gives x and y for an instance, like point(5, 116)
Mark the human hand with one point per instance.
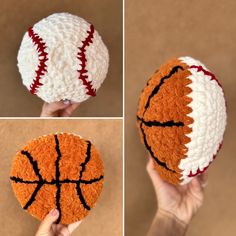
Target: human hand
point(180, 202)
point(48, 228)
point(58, 109)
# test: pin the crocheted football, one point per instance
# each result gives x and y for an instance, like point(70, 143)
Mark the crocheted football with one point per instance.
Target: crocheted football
point(181, 118)
point(60, 171)
point(62, 57)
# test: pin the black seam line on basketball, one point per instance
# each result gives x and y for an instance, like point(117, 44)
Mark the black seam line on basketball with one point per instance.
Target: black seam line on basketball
point(163, 164)
point(156, 89)
point(36, 170)
point(32, 198)
point(91, 181)
point(79, 191)
point(33, 163)
point(65, 181)
point(169, 123)
point(41, 181)
point(58, 194)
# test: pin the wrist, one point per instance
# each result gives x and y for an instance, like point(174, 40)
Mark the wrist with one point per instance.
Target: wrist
point(166, 224)
point(178, 226)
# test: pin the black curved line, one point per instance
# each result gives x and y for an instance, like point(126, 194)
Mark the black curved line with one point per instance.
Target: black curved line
point(91, 180)
point(79, 191)
point(64, 181)
point(32, 198)
point(57, 181)
point(163, 164)
point(33, 163)
point(87, 158)
point(81, 197)
point(58, 194)
point(36, 170)
point(169, 123)
point(19, 180)
point(156, 89)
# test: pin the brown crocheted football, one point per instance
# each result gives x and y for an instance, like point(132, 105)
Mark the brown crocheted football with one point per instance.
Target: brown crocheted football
point(60, 171)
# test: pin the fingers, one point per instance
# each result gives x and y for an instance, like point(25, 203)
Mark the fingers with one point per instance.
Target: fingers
point(203, 179)
point(199, 182)
point(69, 110)
point(155, 177)
point(46, 224)
point(55, 109)
point(73, 226)
point(51, 109)
point(196, 185)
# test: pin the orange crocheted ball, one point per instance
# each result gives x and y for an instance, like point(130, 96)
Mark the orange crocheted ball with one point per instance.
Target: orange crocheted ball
point(60, 171)
point(181, 119)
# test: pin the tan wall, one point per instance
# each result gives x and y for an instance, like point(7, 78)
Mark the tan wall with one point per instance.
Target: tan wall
point(156, 31)
point(17, 16)
point(106, 217)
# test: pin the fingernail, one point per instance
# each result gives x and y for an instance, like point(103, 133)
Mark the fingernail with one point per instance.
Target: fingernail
point(66, 102)
point(53, 212)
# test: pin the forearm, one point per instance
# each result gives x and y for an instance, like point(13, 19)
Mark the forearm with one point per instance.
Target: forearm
point(166, 224)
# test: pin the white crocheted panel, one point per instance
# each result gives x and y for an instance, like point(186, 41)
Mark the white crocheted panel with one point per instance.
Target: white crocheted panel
point(63, 35)
point(209, 115)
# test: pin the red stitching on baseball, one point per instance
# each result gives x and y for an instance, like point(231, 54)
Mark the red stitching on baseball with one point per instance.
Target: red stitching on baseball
point(205, 168)
point(206, 72)
point(42, 67)
point(82, 57)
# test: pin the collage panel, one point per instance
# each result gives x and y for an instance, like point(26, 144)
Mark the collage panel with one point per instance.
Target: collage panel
point(72, 165)
point(61, 58)
point(117, 118)
point(180, 94)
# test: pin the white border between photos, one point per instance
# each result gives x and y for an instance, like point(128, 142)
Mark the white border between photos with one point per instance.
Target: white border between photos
point(122, 117)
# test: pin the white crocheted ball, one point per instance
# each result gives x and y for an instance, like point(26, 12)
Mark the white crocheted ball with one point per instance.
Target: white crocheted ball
point(62, 57)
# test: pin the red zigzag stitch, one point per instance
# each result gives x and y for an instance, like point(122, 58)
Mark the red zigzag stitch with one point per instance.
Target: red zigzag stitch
point(42, 67)
point(200, 68)
point(206, 72)
point(82, 57)
point(205, 168)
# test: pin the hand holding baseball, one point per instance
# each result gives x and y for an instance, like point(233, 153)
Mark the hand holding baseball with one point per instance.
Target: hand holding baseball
point(58, 109)
point(48, 228)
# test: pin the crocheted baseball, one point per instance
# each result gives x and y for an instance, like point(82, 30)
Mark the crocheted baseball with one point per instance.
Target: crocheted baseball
point(60, 171)
point(181, 118)
point(63, 57)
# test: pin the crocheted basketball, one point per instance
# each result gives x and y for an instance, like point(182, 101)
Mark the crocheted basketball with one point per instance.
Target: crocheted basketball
point(63, 57)
point(181, 118)
point(60, 171)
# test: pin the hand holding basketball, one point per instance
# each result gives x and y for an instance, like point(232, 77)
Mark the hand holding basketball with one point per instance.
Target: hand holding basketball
point(48, 228)
point(182, 202)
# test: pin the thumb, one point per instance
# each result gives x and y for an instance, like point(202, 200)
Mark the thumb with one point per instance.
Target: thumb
point(46, 224)
point(155, 177)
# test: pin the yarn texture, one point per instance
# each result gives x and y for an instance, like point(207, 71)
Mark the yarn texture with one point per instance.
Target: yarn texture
point(62, 171)
point(63, 57)
point(181, 119)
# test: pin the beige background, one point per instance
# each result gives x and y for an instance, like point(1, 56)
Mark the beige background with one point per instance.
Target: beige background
point(105, 218)
point(17, 16)
point(156, 31)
